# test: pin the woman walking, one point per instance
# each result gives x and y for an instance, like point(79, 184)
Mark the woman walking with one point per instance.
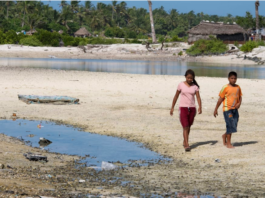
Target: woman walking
point(187, 108)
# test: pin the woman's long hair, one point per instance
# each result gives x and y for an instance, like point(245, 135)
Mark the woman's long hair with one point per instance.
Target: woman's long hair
point(191, 72)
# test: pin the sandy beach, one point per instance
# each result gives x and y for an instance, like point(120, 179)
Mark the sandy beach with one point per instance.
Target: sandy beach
point(136, 107)
point(121, 52)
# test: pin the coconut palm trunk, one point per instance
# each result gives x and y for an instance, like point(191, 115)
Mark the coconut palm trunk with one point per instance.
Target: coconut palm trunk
point(152, 22)
point(257, 20)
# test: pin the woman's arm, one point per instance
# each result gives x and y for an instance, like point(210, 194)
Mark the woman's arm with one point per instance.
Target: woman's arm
point(174, 101)
point(219, 102)
point(199, 102)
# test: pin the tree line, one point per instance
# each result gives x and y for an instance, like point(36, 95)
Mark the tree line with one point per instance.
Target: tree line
point(114, 19)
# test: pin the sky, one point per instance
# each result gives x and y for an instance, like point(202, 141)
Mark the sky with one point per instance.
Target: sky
point(221, 8)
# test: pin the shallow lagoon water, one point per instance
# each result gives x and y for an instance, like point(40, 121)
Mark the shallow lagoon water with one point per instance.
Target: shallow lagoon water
point(139, 67)
point(73, 141)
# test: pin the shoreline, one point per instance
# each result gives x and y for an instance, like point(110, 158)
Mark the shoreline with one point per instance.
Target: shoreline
point(117, 52)
point(136, 107)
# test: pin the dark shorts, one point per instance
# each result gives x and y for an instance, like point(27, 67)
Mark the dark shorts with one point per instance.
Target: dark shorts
point(186, 116)
point(231, 119)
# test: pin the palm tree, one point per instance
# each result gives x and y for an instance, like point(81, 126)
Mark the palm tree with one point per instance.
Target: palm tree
point(7, 8)
point(257, 19)
point(33, 20)
point(114, 4)
point(63, 4)
point(74, 6)
point(88, 6)
point(66, 16)
point(152, 22)
point(95, 20)
point(23, 6)
point(173, 19)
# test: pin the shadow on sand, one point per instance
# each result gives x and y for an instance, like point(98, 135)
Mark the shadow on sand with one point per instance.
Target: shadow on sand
point(202, 143)
point(244, 143)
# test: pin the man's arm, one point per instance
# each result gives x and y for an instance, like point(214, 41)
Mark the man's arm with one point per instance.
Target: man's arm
point(237, 106)
point(219, 102)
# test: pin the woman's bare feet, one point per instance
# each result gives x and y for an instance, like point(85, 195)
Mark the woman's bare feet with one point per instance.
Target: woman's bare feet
point(224, 139)
point(187, 149)
point(230, 146)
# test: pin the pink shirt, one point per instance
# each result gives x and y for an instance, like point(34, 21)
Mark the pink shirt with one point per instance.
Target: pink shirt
point(187, 94)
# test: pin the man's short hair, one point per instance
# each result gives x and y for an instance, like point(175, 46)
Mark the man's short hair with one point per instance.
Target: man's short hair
point(232, 73)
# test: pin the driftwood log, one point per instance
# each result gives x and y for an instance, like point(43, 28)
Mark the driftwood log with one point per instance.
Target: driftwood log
point(50, 101)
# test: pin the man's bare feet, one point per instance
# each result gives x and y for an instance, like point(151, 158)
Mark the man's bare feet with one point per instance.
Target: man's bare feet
point(230, 146)
point(224, 139)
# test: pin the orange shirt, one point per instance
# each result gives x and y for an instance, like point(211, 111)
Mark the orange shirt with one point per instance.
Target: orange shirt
point(231, 96)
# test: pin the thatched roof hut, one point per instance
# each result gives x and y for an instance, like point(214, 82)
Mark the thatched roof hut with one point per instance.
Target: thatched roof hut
point(82, 32)
point(226, 32)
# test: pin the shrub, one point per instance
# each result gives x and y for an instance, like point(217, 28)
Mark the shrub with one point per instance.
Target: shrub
point(131, 34)
point(76, 41)
point(21, 36)
point(2, 37)
point(250, 45)
point(109, 32)
point(135, 41)
point(48, 38)
point(175, 38)
point(141, 36)
point(83, 41)
point(68, 40)
point(99, 40)
point(11, 37)
point(207, 47)
point(114, 32)
point(31, 41)
point(180, 53)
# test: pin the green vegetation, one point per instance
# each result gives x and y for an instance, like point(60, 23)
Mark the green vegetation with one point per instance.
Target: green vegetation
point(180, 53)
point(10, 37)
point(46, 38)
point(31, 41)
point(175, 39)
point(250, 45)
point(99, 40)
point(114, 32)
point(212, 46)
point(114, 19)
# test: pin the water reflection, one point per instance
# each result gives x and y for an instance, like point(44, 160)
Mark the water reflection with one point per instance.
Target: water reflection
point(138, 67)
point(72, 141)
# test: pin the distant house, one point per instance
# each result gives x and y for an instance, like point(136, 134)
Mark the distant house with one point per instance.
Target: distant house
point(82, 32)
point(31, 32)
point(229, 33)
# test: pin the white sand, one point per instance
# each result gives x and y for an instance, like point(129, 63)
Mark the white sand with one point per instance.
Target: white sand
point(137, 107)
